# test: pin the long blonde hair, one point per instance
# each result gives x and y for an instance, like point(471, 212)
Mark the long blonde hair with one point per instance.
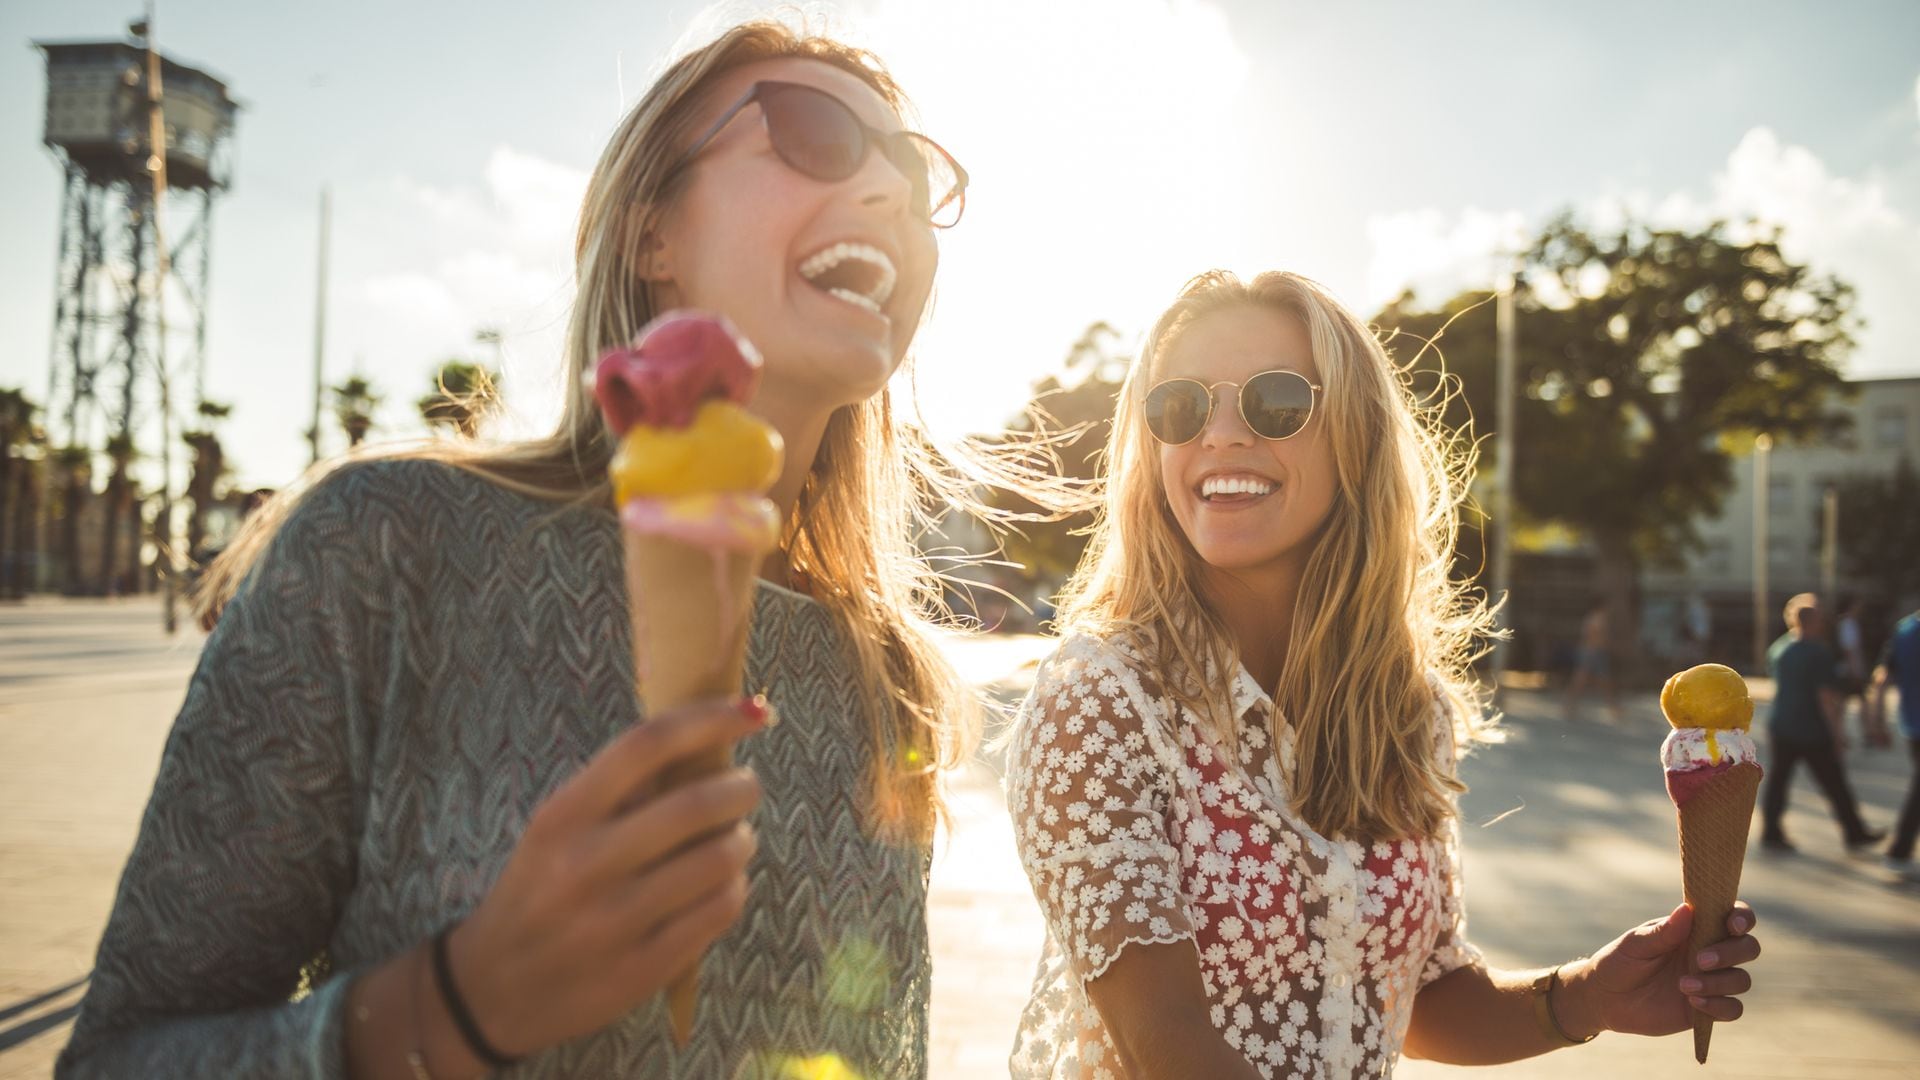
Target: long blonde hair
point(1380, 627)
point(851, 534)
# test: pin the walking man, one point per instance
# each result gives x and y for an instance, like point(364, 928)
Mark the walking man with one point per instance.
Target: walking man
point(1801, 727)
point(1900, 666)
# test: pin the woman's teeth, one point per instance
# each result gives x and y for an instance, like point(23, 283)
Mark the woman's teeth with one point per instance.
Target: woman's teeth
point(860, 274)
point(855, 299)
point(1234, 485)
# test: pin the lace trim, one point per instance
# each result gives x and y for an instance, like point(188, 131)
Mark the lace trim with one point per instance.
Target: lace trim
point(1137, 939)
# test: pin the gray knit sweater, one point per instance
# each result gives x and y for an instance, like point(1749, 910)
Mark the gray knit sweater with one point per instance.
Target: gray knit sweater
point(417, 661)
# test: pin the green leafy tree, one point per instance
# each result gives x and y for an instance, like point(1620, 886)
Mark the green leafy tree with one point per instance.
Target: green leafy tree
point(354, 402)
point(1076, 408)
point(464, 396)
point(1648, 358)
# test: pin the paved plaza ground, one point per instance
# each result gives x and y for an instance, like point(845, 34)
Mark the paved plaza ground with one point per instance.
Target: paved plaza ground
point(1569, 840)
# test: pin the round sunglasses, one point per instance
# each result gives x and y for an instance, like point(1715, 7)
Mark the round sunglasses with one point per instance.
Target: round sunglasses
point(819, 136)
point(1275, 405)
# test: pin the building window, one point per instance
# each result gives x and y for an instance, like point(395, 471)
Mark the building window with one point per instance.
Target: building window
point(1716, 557)
point(1890, 428)
point(1780, 492)
point(1781, 549)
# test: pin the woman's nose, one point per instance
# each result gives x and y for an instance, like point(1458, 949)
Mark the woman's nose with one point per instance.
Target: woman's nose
point(1225, 426)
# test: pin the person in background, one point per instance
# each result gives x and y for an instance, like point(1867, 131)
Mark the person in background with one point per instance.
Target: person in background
point(1851, 661)
point(1900, 667)
point(1593, 662)
point(1802, 727)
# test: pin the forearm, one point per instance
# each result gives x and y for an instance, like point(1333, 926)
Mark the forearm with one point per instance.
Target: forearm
point(1831, 707)
point(1478, 1016)
point(1176, 1052)
point(395, 1011)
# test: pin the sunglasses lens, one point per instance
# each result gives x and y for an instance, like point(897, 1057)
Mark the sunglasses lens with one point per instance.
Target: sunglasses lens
point(814, 133)
point(1177, 411)
point(1277, 403)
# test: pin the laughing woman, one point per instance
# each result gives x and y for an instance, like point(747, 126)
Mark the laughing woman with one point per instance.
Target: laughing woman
point(1234, 784)
point(408, 777)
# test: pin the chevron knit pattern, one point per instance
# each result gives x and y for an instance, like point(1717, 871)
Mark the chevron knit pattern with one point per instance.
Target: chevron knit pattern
point(419, 659)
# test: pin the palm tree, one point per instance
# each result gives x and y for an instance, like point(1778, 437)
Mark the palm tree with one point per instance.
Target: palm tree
point(120, 501)
point(74, 467)
point(353, 404)
point(209, 465)
point(464, 396)
point(17, 434)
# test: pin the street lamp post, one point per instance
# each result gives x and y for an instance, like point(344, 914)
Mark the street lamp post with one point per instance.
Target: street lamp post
point(320, 323)
point(1503, 468)
point(1762, 447)
point(157, 173)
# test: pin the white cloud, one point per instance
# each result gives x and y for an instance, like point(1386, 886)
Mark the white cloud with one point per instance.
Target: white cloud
point(1437, 255)
point(496, 254)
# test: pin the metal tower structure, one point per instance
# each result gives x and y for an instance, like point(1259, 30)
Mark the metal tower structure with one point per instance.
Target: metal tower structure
point(129, 322)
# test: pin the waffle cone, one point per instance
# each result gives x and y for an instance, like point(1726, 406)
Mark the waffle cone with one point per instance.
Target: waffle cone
point(1713, 847)
point(691, 608)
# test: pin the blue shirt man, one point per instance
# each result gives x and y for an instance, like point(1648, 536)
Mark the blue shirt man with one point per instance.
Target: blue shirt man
point(1900, 666)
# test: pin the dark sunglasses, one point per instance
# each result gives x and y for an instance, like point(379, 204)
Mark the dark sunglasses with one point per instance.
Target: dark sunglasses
point(817, 135)
point(1275, 405)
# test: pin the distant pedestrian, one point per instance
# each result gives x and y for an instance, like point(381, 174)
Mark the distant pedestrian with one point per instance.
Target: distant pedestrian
point(1693, 629)
point(1900, 667)
point(1851, 645)
point(1593, 662)
point(1802, 726)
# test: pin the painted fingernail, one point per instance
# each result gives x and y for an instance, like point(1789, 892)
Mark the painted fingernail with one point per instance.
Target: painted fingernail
point(756, 709)
point(1690, 985)
point(1709, 958)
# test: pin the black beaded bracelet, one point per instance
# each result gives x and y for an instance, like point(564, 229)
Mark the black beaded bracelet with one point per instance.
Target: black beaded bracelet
point(457, 1007)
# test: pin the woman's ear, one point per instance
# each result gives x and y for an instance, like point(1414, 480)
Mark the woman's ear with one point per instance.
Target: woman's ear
point(653, 258)
point(640, 247)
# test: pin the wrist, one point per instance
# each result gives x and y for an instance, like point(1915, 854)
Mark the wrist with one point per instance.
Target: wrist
point(1575, 1001)
point(445, 1050)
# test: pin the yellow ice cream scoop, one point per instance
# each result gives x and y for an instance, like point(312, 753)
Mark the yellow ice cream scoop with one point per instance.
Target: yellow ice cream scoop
point(1711, 696)
point(726, 448)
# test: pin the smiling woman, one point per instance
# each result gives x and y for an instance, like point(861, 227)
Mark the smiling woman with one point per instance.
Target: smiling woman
point(1233, 785)
point(411, 773)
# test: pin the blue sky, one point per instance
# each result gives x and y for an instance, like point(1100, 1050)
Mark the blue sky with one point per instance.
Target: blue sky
point(1118, 146)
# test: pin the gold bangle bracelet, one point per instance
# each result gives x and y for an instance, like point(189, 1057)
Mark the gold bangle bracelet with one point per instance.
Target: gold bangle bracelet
point(1543, 987)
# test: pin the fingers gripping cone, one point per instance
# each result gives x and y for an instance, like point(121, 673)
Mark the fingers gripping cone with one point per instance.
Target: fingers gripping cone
point(689, 479)
point(1712, 774)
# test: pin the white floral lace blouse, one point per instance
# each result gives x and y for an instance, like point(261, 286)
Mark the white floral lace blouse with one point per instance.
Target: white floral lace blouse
point(1134, 825)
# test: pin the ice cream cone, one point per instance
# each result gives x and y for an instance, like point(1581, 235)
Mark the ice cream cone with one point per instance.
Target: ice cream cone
point(691, 608)
point(1713, 847)
point(690, 476)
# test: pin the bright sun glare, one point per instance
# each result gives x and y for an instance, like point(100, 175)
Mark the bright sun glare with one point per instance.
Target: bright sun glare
point(1099, 141)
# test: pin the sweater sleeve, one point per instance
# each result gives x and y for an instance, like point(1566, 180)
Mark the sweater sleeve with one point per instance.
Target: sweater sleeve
point(245, 854)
